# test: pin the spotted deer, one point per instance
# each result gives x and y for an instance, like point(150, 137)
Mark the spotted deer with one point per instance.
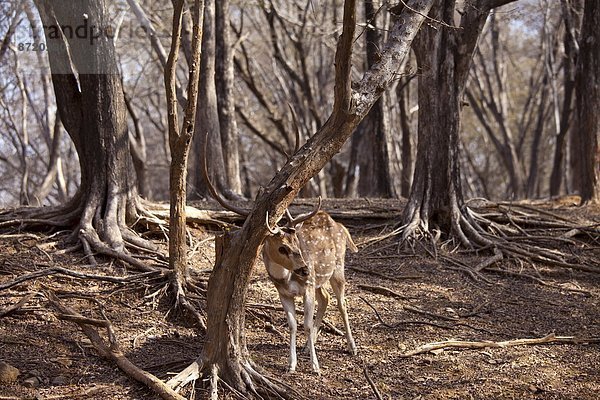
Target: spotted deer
point(300, 258)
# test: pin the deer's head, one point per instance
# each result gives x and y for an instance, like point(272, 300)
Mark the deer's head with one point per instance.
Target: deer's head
point(283, 247)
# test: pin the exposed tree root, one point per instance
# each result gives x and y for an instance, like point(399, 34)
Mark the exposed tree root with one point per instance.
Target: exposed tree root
point(404, 322)
point(52, 270)
point(376, 391)
point(98, 235)
point(255, 382)
point(182, 302)
point(104, 233)
point(534, 235)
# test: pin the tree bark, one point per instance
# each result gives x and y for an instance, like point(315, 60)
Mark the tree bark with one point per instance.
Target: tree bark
point(207, 117)
point(370, 156)
point(588, 102)
point(43, 190)
point(92, 108)
point(180, 140)
point(137, 148)
point(407, 146)
point(225, 97)
point(572, 21)
point(444, 53)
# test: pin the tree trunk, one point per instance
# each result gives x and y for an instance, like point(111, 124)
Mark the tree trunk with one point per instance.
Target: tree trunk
point(407, 147)
point(43, 190)
point(572, 21)
point(444, 55)
point(207, 117)
point(588, 102)
point(532, 180)
point(180, 140)
point(137, 148)
point(92, 108)
point(225, 99)
point(436, 184)
point(370, 156)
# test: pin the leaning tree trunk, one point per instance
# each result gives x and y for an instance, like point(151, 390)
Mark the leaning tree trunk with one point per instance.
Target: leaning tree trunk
point(237, 253)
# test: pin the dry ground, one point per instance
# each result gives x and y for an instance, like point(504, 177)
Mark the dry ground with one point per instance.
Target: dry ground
point(505, 308)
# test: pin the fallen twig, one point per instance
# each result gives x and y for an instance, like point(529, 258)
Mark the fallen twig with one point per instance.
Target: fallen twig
point(111, 350)
point(403, 322)
point(372, 384)
point(551, 338)
point(382, 290)
point(64, 271)
point(382, 275)
point(11, 309)
point(429, 313)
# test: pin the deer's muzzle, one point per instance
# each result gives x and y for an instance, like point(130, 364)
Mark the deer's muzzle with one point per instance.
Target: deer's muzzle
point(303, 271)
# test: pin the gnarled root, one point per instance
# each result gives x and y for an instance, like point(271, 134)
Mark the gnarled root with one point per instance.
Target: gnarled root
point(99, 232)
point(179, 288)
point(242, 377)
point(532, 236)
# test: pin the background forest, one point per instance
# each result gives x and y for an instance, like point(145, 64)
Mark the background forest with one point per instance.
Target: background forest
point(517, 139)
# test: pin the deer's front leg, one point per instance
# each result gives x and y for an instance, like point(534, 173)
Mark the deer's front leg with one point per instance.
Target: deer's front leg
point(290, 313)
point(309, 323)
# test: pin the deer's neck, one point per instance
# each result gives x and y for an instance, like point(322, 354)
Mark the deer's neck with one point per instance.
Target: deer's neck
point(286, 282)
point(278, 273)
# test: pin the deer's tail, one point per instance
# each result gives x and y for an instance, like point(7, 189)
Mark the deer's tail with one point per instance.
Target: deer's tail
point(349, 240)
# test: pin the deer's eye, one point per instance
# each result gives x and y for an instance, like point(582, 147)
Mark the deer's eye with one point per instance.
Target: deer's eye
point(283, 250)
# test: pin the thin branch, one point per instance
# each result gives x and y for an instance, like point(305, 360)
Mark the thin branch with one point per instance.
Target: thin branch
point(551, 338)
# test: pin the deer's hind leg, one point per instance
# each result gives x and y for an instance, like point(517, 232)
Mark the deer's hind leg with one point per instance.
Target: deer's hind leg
point(309, 326)
point(322, 297)
point(322, 302)
point(338, 284)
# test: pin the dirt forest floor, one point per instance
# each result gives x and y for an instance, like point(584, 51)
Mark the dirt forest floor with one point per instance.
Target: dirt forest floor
point(399, 300)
